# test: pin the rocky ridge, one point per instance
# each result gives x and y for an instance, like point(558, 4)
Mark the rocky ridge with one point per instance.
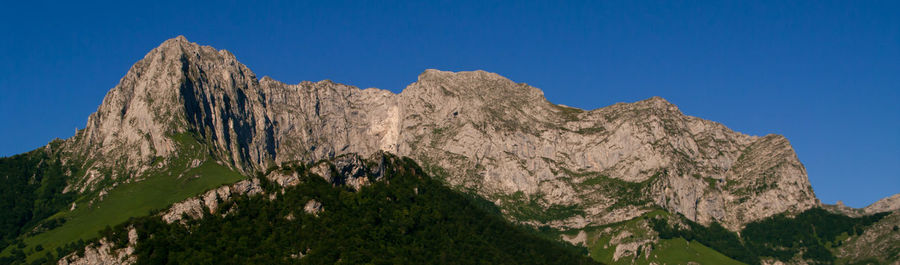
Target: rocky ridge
point(104, 252)
point(347, 170)
point(887, 204)
point(479, 131)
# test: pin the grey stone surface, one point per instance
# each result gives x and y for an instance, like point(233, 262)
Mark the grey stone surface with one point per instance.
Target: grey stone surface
point(104, 253)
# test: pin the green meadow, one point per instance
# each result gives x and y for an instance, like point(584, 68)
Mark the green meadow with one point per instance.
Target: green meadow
point(156, 190)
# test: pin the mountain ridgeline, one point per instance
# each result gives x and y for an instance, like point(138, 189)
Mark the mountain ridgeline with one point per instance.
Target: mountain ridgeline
point(479, 131)
point(191, 146)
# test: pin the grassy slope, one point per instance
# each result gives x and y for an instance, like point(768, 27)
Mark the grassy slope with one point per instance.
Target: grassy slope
point(666, 251)
point(407, 218)
point(132, 200)
point(157, 190)
point(161, 188)
point(679, 251)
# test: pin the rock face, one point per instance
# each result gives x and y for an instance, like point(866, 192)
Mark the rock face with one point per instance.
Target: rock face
point(478, 131)
point(178, 87)
point(104, 252)
point(208, 202)
point(313, 207)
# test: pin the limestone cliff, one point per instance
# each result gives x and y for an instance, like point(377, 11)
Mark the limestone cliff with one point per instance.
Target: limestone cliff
point(178, 87)
point(478, 131)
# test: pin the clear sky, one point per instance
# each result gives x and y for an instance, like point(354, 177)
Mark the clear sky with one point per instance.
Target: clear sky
point(826, 74)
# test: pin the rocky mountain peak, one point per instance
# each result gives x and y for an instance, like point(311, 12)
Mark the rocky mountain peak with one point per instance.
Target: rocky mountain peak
point(657, 102)
point(178, 41)
point(654, 105)
point(179, 38)
point(478, 85)
point(177, 87)
point(435, 74)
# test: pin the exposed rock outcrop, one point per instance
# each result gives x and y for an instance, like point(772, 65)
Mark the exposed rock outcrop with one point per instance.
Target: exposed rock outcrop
point(194, 207)
point(348, 170)
point(104, 253)
point(313, 207)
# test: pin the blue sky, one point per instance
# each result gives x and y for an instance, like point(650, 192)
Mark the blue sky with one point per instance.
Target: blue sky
point(826, 74)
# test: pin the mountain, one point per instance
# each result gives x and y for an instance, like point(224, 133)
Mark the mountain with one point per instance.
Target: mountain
point(187, 119)
point(482, 132)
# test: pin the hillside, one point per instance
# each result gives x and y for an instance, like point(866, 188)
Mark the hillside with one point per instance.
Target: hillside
point(401, 216)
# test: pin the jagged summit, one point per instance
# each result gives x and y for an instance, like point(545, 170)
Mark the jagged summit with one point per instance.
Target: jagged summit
point(177, 41)
point(472, 84)
point(173, 89)
point(479, 131)
point(180, 42)
point(657, 101)
point(179, 38)
point(653, 103)
point(432, 74)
